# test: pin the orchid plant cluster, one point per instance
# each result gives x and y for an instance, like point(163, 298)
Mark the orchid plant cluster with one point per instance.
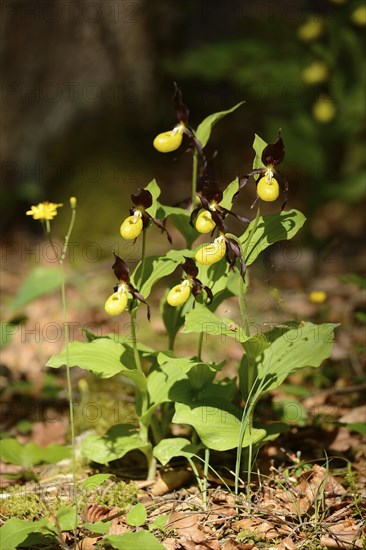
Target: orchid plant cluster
point(175, 389)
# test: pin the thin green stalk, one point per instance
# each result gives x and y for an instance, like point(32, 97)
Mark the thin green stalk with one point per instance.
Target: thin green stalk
point(205, 473)
point(248, 417)
point(143, 256)
point(134, 341)
point(196, 474)
point(67, 342)
point(194, 179)
point(242, 305)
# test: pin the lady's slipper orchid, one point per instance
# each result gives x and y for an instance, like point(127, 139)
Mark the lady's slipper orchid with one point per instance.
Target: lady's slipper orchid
point(267, 185)
point(117, 302)
point(223, 245)
point(171, 140)
point(139, 218)
point(211, 214)
point(179, 294)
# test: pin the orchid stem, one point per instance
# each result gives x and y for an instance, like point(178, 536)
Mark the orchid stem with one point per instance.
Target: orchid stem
point(194, 179)
point(143, 255)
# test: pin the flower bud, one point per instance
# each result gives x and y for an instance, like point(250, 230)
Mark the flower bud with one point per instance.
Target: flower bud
point(204, 222)
point(131, 227)
point(168, 141)
point(116, 303)
point(179, 294)
point(73, 202)
point(211, 253)
point(268, 189)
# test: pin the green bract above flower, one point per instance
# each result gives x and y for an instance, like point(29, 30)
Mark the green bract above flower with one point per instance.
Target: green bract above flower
point(267, 185)
point(139, 218)
point(117, 302)
point(44, 210)
point(180, 293)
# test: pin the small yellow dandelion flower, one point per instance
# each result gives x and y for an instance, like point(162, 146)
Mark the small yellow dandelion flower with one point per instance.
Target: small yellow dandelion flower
point(44, 211)
point(73, 202)
point(317, 296)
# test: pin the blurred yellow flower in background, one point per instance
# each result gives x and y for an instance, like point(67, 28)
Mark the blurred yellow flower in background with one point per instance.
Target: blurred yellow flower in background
point(324, 109)
point(44, 211)
point(318, 296)
point(314, 73)
point(311, 29)
point(358, 16)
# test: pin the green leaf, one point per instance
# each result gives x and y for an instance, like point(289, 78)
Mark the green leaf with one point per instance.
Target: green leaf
point(258, 145)
point(99, 527)
point(180, 219)
point(159, 523)
point(55, 453)
point(95, 481)
point(11, 451)
point(354, 279)
point(169, 382)
point(134, 541)
point(359, 427)
point(272, 228)
point(28, 455)
point(217, 427)
point(102, 356)
point(155, 192)
point(202, 319)
point(119, 440)
point(229, 193)
point(292, 348)
point(137, 515)
point(361, 317)
point(173, 317)
point(67, 518)
point(15, 532)
point(204, 130)
point(41, 281)
point(157, 267)
point(169, 448)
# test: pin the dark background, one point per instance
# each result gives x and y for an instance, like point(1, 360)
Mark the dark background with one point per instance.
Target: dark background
point(87, 85)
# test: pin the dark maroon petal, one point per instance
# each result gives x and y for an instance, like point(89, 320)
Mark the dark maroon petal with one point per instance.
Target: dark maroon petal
point(212, 191)
point(194, 214)
point(189, 267)
point(143, 197)
point(233, 253)
point(135, 293)
point(161, 225)
point(231, 213)
point(196, 144)
point(181, 110)
point(274, 153)
point(207, 290)
point(120, 269)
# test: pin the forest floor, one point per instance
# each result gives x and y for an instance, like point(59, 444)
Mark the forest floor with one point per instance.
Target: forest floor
point(307, 487)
